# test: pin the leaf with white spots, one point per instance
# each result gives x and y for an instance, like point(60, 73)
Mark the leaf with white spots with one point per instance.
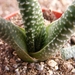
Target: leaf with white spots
point(58, 32)
point(15, 37)
point(68, 52)
point(36, 42)
point(34, 24)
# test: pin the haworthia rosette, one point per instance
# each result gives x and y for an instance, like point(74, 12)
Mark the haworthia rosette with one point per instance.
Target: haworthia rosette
point(37, 42)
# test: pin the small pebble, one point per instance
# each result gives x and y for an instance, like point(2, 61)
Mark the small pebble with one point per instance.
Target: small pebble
point(50, 72)
point(15, 65)
point(56, 67)
point(1, 42)
point(12, 61)
point(6, 68)
point(52, 63)
point(24, 68)
point(31, 65)
point(6, 60)
point(40, 67)
point(73, 70)
point(67, 66)
point(17, 71)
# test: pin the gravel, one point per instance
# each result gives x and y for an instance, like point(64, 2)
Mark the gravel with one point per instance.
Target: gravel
point(11, 64)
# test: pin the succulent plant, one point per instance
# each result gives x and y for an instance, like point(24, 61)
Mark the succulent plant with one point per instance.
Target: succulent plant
point(68, 52)
point(37, 42)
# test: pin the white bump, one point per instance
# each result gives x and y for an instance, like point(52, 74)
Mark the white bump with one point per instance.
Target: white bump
point(65, 29)
point(30, 16)
point(71, 15)
point(29, 8)
point(67, 36)
point(8, 26)
point(69, 22)
point(70, 30)
point(59, 40)
point(56, 44)
point(22, 3)
point(25, 26)
point(27, 3)
point(15, 31)
point(69, 10)
point(33, 36)
point(36, 16)
point(26, 18)
point(73, 22)
point(28, 24)
point(22, 14)
point(24, 21)
point(27, 11)
point(22, 9)
point(52, 44)
point(33, 4)
point(63, 34)
point(64, 22)
point(33, 21)
point(33, 30)
point(33, 12)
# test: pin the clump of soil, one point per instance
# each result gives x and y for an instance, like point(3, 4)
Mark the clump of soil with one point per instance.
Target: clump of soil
point(11, 64)
point(48, 15)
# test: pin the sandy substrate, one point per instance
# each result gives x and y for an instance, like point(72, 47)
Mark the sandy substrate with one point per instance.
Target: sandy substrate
point(11, 64)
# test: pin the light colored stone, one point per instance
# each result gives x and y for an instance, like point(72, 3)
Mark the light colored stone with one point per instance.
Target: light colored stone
point(50, 72)
point(73, 70)
point(68, 66)
point(6, 68)
point(17, 71)
point(52, 63)
point(40, 66)
point(15, 65)
point(56, 67)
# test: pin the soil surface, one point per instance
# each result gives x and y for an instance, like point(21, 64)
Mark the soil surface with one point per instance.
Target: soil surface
point(11, 64)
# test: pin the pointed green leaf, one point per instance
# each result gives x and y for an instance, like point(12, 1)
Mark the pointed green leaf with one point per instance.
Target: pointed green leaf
point(58, 32)
point(14, 36)
point(34, 24)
